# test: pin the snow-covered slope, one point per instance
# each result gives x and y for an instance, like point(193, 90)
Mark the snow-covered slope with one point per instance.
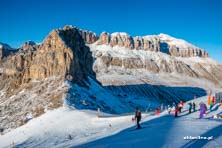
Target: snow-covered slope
point(65, 127)
point(181, 44)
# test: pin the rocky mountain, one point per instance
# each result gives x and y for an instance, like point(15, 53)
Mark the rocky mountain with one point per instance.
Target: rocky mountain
point(114, 72)
point(5, 50)
point(158, 43)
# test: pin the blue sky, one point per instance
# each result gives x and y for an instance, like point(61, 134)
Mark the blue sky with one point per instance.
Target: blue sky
point(197, 21)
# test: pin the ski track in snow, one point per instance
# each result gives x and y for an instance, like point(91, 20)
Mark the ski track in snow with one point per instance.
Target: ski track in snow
point(65, 127)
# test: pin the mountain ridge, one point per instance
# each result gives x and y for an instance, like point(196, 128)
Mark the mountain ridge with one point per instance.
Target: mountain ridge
point(100, 71)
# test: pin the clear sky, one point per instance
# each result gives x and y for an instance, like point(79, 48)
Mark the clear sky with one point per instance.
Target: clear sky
point(197, 21)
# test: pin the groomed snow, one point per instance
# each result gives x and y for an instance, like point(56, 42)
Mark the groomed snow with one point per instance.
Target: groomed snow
point(65, 127)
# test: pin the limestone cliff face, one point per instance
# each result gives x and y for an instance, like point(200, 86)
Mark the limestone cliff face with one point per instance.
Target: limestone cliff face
point(63, 52)
point(88, 36)
point(158, 43)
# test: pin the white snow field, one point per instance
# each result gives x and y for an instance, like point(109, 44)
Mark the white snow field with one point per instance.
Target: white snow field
point(67, 127)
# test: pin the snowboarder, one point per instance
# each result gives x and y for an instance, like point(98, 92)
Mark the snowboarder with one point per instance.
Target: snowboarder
point(138, 117)
point(194, 106)
point(169, 109)
point(190, 106)
point(176, 111)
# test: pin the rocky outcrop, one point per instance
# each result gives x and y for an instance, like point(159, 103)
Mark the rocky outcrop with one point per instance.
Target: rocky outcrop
point(116, 39)
point(88, 36)
point(6, 50)
point(158, 43)
point(63, 52)
point(29, 45)
point(147, 64)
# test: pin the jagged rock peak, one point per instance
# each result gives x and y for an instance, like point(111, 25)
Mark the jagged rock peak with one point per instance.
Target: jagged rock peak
point(5, 50)
point(62, 53)
point(121, 39)
point(5, 46)
point(28, 45)
point(88, 36)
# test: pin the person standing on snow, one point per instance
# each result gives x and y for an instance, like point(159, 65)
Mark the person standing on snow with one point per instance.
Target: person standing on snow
point(138, 117)
point(157, 111)
point(161, 108)
point(213, 99)
point(176, 111)
point(180, 105)
point(205, 108)
point(169, 109)
point(190, 106)
point(194, 106)
point(202, 109)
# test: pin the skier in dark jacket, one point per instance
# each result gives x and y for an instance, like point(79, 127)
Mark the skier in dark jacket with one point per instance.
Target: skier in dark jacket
point(176, 111)
point(194, 107)
point(138, 117)
point(190, 106)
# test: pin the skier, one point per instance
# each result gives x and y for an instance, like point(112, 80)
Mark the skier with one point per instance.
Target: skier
point(180, 105)
point(176, 111)
point(205, 108)
point(213, 99)
point(190, 106)
point(161, 107)
point(194, 107)
point(157, 111)
point(138, 117)
point(202, 109)
point(169, 109)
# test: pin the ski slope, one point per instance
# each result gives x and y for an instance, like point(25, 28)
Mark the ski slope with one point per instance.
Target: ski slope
point(66, 127)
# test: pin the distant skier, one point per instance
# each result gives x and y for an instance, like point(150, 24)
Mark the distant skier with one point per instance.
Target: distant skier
point(205, 108)
point(194, 106)
point(161, 107)
point(169, 109)
point(213, 100)
point(176, 111)
point(157, 111)
point(138, 117)
point(202, 110)
point(190, 106)
point(180, 106)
